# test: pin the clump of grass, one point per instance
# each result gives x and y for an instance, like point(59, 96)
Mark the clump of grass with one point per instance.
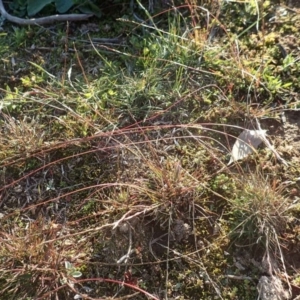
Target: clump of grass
point(259, 216)
point(32, 259)
point(260, 211)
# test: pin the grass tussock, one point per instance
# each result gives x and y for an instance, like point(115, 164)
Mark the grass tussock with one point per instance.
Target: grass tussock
point(262, 210)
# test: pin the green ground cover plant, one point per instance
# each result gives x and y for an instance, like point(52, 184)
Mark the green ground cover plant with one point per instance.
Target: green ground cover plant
point(116, 135)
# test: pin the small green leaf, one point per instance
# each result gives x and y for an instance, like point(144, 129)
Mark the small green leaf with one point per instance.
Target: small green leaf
point(288, 84)
point(34, 6)
point(288, 60)
point(68, 265)
point(76, 274)
point(146, 51)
